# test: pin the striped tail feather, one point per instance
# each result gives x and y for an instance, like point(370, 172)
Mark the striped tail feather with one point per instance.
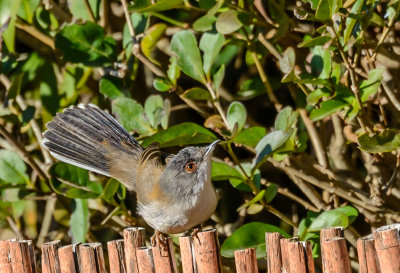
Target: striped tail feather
point(90, 138)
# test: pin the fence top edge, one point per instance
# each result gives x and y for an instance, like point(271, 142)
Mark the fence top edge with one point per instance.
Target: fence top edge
point(388, 227)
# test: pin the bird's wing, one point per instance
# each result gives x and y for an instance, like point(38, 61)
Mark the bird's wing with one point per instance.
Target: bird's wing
point(92, 139)
point(150, 167)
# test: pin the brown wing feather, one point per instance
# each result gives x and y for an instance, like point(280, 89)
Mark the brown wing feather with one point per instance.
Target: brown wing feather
point(150, 168)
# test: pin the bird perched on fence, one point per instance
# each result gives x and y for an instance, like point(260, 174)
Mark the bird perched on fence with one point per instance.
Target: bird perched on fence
point(174, 192)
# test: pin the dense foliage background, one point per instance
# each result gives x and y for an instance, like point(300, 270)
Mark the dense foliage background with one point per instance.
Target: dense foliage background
point(303, 93)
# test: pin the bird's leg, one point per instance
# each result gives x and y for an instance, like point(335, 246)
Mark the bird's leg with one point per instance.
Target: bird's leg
point(159, 238)
point(195, 231)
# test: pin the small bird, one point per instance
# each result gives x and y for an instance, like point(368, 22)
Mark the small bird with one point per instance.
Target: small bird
point(174, 192)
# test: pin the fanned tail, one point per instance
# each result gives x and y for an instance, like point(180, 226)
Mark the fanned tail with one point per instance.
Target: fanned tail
point(90, 138)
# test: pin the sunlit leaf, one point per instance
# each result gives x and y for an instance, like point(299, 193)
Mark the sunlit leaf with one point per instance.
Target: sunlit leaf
point(79, 223)
point(131, 115)
point(236, 114)
point(371, 85)
point(184, 45)
point(210, 44)
point(12, 168)
point(149, 41)
point(327, 108)
point(386, 141)
point(86, 44)
point(251, 235)
point(181, 134)
point(197, 93)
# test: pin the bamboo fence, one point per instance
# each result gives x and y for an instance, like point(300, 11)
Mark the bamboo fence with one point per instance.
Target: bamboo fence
point(377, 253)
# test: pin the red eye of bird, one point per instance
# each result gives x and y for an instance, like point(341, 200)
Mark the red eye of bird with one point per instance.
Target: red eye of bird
point(191, 167)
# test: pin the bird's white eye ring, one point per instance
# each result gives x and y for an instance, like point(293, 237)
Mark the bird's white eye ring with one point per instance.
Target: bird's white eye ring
point(190, 166)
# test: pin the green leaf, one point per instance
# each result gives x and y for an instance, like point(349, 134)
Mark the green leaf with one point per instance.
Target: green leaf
point(162, 5)
point(26, 10)
point(184, 45)
point(251, 88)
point(181, 134)
point(321, 63)
point(250, 136)
point(210, 44)
point(287, 63)
point(70, 173)
point(79, 223)
point(49, 89)
point(350, 212)
point(8, 11)
point(162, 84)
point(327, 108)
point(330, 218)
point(218, 77)
point(151, 38)
point(323, 12)
point(15, 87)
point(386, 141)
point(173, 71)
point(317, 41)
point(269, 144)
point(271, 192)
point(315, 96)
point(223, 171)
point(251, 235)
point(285, 119)
point(236, 114)
point(73, 182)
point(371, 85)
point(110, 190)
point(229, 21)
point(350, 22)
point(153, 109)
point(12, 168)
point(86, 44)
point(197, 93)
point(79, 11)
point(204, 23)
point(111, 87)
point(131, 115)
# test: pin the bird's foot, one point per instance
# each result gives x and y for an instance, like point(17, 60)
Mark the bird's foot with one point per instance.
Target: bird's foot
point(195, 231)
point(159, 238)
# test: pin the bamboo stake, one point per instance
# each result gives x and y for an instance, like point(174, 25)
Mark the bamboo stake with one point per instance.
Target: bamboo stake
point(246, 261)
point(387, 245)
point(335, 258)
point(116, 256)
point(69, 258)
point(134, 237)
point(92, 258)
point(50, 260)
point(5, 263)
point(164, 259)
point(273, 248)
point(206, 249)
point(145, 260)
point(187, 254)
point(367, 256)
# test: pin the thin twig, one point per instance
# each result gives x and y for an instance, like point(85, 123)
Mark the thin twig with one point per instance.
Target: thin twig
point(23, 153)
point(90, 11)
point(14, 228)
point(327, 186)
point(135, 44)
point(36, 130)
point(48, 214)
point(217, 105)
point(37, 34)
point(265, 81)
point(315, 139)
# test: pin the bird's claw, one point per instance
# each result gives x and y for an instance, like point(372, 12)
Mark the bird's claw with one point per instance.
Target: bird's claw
point(159, 239)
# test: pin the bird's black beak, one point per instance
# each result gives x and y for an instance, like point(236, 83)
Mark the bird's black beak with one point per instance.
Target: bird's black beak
point(210, 148)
